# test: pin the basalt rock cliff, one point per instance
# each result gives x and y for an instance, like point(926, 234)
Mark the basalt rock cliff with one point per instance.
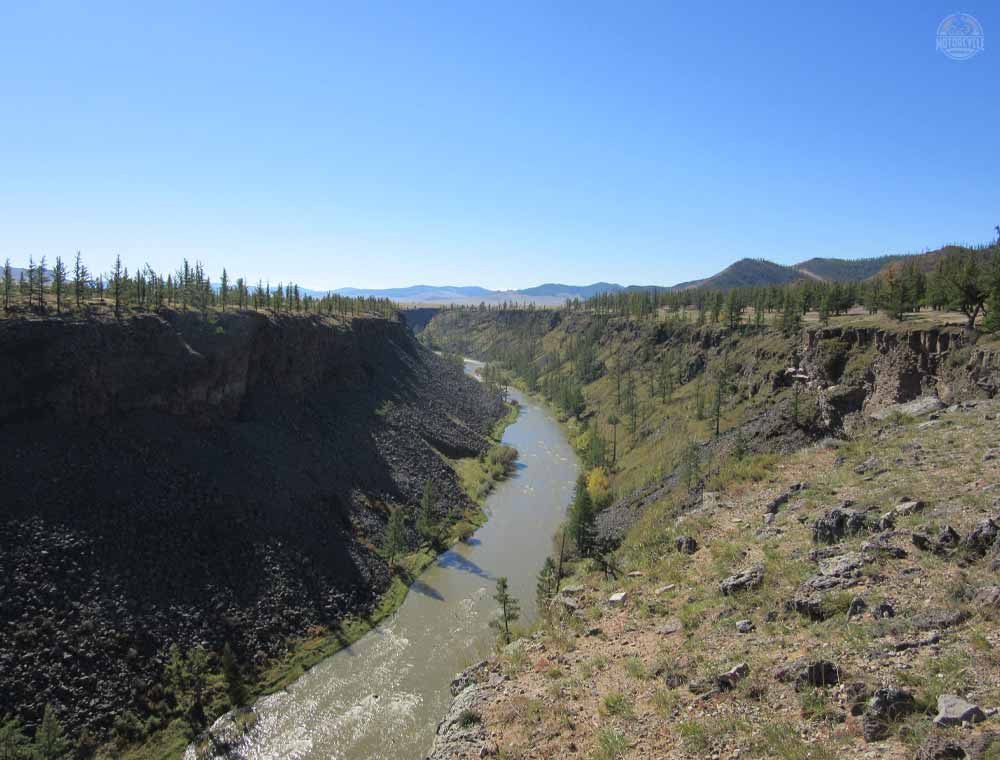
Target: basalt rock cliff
point(176, 478)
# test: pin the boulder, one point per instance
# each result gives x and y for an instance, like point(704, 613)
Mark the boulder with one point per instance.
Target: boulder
point(618, 598)
point(805, 672)
point(744, 626)
point(909, 507)
point(745, 581)
point(845, 565)
point(728, 680)
point(988, 596)
point(887, 705)
point(916, 408)
point(981, 538)
point(686, 545)
point(810, 597)
point(954, 711)
point(937, 619)
point(837, 523)
point(938, 747)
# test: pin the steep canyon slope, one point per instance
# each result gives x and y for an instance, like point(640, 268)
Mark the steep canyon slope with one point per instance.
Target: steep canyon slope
point(176, 478)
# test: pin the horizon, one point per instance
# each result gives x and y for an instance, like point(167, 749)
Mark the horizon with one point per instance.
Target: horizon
point(251, 281)
point(372, 146)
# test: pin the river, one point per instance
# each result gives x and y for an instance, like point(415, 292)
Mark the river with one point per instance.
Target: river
point(382, 697)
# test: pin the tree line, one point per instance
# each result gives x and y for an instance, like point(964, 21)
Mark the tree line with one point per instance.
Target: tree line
point(965, 280)
point(61, 287)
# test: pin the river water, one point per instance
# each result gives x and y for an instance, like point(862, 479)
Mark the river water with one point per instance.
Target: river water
point(382, 697)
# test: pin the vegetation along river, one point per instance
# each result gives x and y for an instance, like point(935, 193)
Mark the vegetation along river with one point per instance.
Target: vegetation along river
point(382, 697)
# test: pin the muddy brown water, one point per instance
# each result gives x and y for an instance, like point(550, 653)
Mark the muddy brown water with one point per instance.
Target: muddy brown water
point(382, 697)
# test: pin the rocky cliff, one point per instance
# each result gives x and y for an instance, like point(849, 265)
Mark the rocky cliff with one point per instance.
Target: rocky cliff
point(176, 478)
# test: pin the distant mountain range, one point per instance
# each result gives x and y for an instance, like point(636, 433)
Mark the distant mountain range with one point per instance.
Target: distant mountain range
point(743, 273)
point(548, 294)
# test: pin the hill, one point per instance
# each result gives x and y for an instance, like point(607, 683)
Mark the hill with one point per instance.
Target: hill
point(777, 590)
point(558, 290)
point(746, 273)
point(844, 270)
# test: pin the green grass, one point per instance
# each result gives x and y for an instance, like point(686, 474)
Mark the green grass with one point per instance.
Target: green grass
point(617, 705)
point(781, 741)
point(611, 745)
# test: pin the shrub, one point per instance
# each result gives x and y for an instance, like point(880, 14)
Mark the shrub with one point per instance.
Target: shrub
point(469, 718)
point(616, 704)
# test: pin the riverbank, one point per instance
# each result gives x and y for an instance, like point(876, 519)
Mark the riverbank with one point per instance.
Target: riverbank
point(306, 652)
point(381, 698)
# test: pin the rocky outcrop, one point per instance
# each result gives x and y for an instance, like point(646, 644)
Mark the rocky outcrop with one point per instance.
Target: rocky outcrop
point(175, 478)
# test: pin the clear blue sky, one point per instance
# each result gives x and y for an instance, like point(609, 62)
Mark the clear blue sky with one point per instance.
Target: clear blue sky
point(494, 143)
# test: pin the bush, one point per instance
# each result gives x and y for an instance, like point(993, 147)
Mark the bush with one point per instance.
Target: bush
point(469, 718)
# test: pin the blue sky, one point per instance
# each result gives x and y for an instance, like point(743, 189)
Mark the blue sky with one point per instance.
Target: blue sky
point(494, 143)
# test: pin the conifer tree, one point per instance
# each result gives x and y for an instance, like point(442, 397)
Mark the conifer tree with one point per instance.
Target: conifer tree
point(426, 519)
point(50, 741)
point(582, 519)
point(117, 285)
point(59, 282)
point(613, 421)
point(545, 588)
point(690, 465)
point(80, 277)
point(224, 289)
point(509, 612)
point(41, 280)
point(8, 285)
point(197, 680)
point(235, 685)
point(14, 744)
point(395, 535)
point(894, 296)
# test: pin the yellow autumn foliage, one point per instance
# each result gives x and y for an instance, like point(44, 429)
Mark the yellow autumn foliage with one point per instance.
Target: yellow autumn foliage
point(599, 486)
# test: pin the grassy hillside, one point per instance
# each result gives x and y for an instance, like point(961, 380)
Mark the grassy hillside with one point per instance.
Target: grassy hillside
point(845, 270)
point(777, 592)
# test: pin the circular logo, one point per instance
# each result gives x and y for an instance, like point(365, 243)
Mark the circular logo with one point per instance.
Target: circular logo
point(960, 36)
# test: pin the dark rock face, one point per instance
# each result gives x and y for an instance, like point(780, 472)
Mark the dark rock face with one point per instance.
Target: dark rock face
point(838, 523)
point(173, 479)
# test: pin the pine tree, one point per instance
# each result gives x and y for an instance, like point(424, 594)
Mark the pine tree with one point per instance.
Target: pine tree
point(509, 612)
point(613, 421)
point(80, 277)
point(395, 535)
point(14, 744)
point(690, 464)
point(50, 741)
point(582, 519)
point(426, 519)
point(197, 680)
point(964, 284)
point(8, 285)
point(546, 587)
point(59, 282)
point(894, 296)
point(117, 285)
point(224, 288)
point(235, 686)
point(41, 280)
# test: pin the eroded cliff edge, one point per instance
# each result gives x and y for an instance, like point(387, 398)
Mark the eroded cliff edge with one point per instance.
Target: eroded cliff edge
point(203, 480)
